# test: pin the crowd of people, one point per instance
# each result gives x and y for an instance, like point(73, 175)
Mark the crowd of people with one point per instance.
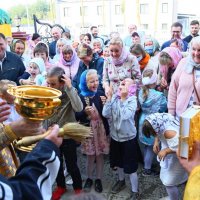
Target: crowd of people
point(131, 93)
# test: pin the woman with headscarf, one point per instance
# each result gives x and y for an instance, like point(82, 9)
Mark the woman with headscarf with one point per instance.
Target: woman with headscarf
point(120, 65)
point(69, 61)
point(166, 128)
point(168, 60)
point(89, 60)
point(184, 89)
point(59, 46)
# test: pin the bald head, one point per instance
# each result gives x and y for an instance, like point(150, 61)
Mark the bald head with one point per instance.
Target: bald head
point(132, 28)
point(56, 33)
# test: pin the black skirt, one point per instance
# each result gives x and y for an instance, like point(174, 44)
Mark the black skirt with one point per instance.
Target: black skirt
point(124, 155)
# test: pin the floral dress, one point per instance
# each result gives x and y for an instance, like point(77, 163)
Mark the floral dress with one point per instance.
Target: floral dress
point(99, 143)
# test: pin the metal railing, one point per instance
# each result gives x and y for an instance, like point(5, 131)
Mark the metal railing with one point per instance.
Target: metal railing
point(44, 29)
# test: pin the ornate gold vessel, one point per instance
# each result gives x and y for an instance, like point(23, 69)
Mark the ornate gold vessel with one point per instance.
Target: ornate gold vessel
point(35, 102)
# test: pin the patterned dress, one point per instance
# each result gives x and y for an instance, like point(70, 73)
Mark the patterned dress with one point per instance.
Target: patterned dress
point(112, 75)
point(99, 143)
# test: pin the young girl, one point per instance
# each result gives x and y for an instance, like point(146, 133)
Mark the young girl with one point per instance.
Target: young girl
point(151, 101)
point(41, 50)
point(120, 110)
point(94, 147)
point(37, 73)
point(166, 128)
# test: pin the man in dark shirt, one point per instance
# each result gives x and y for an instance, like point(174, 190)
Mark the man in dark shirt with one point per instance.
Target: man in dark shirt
point(56, 33)
point(194, 30)
point(176, 31)
point(11, 65)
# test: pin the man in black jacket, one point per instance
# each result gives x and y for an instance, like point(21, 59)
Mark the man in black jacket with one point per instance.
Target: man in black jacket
point(11, 65)
point(194, 30)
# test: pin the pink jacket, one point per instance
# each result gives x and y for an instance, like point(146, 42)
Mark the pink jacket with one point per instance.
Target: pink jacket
point(181, 89)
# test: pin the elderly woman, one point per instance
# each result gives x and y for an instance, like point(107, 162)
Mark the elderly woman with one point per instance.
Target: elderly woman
point(69, 61)
point(184, 89)
point(120, 65)
point(89, 60)
point(168, 61)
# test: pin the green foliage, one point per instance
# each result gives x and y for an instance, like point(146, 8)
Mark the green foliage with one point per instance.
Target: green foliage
point(4, 17)
point(41, 8)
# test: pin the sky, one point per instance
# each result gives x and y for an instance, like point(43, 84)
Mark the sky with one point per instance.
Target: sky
point(6, 4)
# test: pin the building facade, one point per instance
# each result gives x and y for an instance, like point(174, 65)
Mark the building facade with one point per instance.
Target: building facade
point(153, 17)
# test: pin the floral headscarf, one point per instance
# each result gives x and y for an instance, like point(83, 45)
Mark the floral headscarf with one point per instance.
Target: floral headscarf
point(161, 121)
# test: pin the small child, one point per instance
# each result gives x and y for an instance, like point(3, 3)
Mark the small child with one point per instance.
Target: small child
point(151, 101)
point(37, 73)
point(120, 110)
point(166, 128)
point(97, 146)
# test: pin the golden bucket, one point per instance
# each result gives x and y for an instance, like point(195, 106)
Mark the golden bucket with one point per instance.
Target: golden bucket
point(35, 102)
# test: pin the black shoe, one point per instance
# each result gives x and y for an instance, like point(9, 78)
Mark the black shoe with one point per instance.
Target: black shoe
point(88, 185)
point(118, 186)
point(98, 186)
point(149, 172)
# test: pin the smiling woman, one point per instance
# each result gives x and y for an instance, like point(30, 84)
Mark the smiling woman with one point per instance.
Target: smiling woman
point(120, 65)
point(185, 82)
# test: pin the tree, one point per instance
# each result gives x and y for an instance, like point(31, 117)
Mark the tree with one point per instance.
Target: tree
point(41, 8)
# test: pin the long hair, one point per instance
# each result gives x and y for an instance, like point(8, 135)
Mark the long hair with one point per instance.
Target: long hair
point(145, 88)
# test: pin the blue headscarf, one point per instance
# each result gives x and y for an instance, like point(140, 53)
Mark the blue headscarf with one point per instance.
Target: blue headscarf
point(83, 85)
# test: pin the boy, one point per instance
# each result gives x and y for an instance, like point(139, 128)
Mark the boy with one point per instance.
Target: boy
point(70, 103)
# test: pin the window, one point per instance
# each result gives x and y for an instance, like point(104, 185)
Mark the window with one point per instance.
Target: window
point(144, 8)
point(66, 11)
point(84, 11)
point(100, 10)
point(144, 26)
point(164, 27)
point(117, 9)
point(164, 7)
point(120, 28)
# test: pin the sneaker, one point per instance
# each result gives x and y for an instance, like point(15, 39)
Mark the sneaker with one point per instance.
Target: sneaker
point(149, 172)
point(135, 196)
point(58, 192)
point(98, 186)
point(118, 186)
point(88, 185)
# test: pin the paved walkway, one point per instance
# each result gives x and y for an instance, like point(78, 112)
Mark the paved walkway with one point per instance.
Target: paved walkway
point(150, 188)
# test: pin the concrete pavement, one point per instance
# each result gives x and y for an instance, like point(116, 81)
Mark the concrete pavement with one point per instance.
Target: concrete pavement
point(150, 187)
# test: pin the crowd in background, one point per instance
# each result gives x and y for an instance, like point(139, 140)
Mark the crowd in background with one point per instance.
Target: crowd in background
point(131, 91)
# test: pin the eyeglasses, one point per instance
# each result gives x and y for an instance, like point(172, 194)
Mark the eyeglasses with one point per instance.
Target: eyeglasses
point(176, 31)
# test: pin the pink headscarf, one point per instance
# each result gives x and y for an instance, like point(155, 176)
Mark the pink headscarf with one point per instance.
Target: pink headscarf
point(131, 91)
point(121, 59)
point(175, 55)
